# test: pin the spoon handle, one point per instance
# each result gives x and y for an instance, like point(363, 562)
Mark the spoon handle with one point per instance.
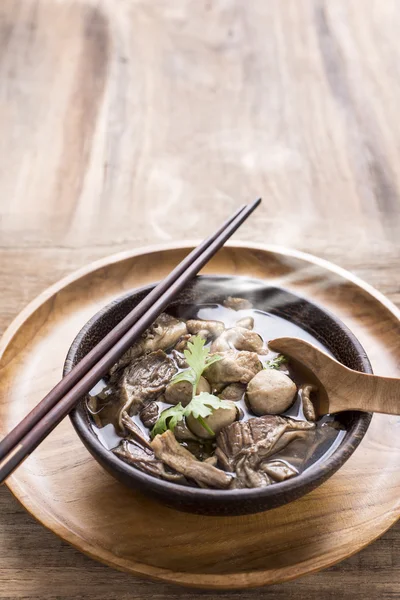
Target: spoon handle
point(370, 393)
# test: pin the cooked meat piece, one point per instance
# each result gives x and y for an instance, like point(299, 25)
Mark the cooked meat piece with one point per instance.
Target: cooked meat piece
point(270, 392)
point(130, 400)
point(247, 445)
point(183, 391)
point(130, 355)
point(161, 335)
point(233, 391)
point(295, 432)
point(149, 414)
point(183, 434)
point(217, 388)
point(308, 407)
point(181, 344)
point(179, 359)
point(145, 460)
point(233, 367)
point(201, 449)
point(240, 414)
point(302, 452)
point(212, 460)
point(246, 477)
point(238, 338)
point(150, 374)
point(144, 379)
point(203, 333)
point(243, 437)
point(296, 425)
point(237, 303)
point(137, 434)
point(164, 333)
point(246, 322)
point(167, 449)
point(287, 438)
point(213, 328)
point(278, 470)
point(219, 418)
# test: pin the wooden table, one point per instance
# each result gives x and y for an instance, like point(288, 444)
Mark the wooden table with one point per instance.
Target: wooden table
point(126, 122)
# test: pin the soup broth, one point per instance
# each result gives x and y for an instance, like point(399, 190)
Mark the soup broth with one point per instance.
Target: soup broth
point(241, 438)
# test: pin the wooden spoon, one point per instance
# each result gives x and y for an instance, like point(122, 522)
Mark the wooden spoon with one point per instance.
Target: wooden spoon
point(341, 388)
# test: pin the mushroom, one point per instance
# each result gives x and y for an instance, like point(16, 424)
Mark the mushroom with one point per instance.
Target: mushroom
point(246, 322)
point(164, 333)
point(145, 379)
point(244, 446)
point(308, 407)
point(279, 470)
point(178, 458)
point(237, 303)
point(219, 418)
point(181, 344)
point(213, 328)
point(126, 359)
point(233, 367)
point(149, 414)
point(179, 359)
point(182, 391)
point(183, 434)
point(145, 460)
point(212, 460)
point(238, 338)
point(233, 391)
point(270, 392)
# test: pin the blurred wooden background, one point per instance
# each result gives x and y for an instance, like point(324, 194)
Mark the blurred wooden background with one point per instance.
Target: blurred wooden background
point(126, 122)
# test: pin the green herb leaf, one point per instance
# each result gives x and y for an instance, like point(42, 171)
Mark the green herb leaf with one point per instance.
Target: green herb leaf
point(198, 358)
point(168, 419)
point(276, 362)
point(200, 406)
point(204, 404)
point(187, 375)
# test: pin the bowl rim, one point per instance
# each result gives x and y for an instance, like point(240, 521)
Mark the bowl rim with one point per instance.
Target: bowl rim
point(309, 479)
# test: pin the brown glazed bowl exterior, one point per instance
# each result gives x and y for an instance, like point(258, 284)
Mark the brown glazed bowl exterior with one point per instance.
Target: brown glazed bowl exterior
point(213, 289)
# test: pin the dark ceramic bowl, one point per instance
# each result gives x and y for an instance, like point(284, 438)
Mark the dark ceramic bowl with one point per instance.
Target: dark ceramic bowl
point(325, 327)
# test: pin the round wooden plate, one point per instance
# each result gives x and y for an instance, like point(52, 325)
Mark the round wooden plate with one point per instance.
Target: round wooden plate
point(66, 490)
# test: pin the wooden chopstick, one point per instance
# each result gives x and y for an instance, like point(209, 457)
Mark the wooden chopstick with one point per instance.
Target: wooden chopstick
point(20, 430)
point(53, 411)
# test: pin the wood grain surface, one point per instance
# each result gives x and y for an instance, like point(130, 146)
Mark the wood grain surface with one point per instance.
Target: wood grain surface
point(126, 122)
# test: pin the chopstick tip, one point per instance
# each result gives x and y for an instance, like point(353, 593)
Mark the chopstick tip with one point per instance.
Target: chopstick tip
point(254, 204)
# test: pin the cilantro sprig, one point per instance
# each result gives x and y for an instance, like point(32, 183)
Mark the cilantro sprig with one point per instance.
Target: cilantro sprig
point(201, 405)
point(168, 419)
point(198, 358)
